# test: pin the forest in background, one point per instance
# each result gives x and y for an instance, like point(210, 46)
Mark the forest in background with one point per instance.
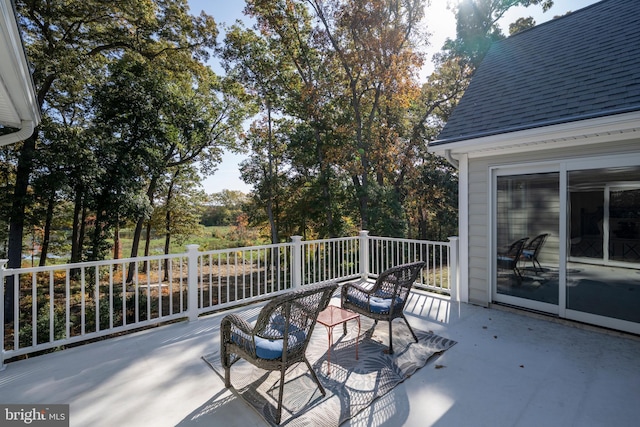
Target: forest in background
point(322, 95)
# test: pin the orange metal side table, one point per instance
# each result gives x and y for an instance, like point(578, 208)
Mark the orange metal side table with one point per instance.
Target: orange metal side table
point(331, 317)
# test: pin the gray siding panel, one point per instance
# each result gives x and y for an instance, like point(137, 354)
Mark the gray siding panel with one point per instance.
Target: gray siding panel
point(478, 232)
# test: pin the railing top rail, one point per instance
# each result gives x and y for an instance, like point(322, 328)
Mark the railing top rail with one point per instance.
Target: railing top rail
point(334, 239)
point(108, 262)
point(397, 239)
point(99, 263)
point(246, 248)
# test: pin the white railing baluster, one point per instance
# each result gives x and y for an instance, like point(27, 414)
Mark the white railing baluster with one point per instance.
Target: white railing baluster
point(159, 273)
point(136, 289)
point(51, 307)
point(147, 271)
point(265, 277)
point(110, 296)
point(219, 278)
point(16, 310)
point(34, 310)
point(67, 303)
point(235, 275)
point(170, 277)
point(124, 294)
point(96, 297)
point(82, 302)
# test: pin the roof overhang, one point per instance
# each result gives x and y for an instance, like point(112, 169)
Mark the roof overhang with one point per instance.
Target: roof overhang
point(616, 127)
point(18, 103)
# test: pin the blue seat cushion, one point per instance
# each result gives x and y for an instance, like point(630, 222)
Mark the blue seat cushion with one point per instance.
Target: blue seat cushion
point(271, 349)
point(377, 305)
point(505, 261)
point(528, 254)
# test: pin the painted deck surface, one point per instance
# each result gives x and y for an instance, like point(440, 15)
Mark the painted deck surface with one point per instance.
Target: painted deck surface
point(508, 369)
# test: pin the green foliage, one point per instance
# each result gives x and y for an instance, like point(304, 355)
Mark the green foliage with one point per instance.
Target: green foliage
point(521, 24)
point(132, 116)
point(477, 25)
point(224, 208)
point(126, 99)
point(386, 212)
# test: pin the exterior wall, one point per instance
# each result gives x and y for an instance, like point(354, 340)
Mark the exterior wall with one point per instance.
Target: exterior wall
point(479, 219)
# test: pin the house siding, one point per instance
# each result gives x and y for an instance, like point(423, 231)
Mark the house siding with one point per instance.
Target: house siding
point(479, 291)
point(479, 220)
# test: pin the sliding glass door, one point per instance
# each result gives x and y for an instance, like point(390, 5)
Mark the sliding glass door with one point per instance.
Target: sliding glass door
point(527, 222)
point(603, 269)
point(566, 240)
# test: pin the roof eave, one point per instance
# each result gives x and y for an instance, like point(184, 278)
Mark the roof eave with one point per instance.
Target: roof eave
point(589, 131)
point(18, 102)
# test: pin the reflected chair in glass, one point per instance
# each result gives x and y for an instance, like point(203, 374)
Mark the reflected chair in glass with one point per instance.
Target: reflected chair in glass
point(531, 250)
point(509, 258)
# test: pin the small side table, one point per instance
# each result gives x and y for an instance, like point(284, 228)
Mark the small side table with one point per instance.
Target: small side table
point(333, 316)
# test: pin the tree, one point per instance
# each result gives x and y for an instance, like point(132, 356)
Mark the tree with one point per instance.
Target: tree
point(179, 209)
point(306, 88)
point(432, 184)
point(521, 24)
point(351, 77)
point(477, 25)
point(64, 40)
point(265, 169)
point(254, 62)
point(224, 208)
point(373, 42)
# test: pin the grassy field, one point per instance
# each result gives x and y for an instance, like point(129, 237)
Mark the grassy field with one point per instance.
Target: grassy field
point(209, 238)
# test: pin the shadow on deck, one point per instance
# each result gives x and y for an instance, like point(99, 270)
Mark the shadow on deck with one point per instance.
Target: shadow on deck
point(508, 369)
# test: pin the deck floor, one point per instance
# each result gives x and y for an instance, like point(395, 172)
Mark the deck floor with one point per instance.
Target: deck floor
point(508, 369)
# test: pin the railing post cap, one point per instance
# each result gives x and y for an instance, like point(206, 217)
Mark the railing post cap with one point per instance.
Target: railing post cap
point(296, 238)
point(364, 232)
point(453, 238)
point(3, 263)
point(193, 247)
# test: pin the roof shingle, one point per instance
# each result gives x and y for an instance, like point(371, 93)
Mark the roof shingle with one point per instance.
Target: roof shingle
point(583, 65)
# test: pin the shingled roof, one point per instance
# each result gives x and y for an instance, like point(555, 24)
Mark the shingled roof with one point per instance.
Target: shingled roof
point(583, 65)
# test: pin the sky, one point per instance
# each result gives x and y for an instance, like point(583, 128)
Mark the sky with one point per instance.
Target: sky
point(440, 23)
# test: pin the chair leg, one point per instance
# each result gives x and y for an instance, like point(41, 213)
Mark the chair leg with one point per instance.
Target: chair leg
point(227, 377)
point(227, 367)
point(315, 377)
point(517, 271)
point(390, 351)
point(410, 328)
point(280, 395)
point(535, 261)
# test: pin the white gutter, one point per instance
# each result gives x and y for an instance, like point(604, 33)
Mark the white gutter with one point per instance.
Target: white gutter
point(18, 103)
point(23, 133)
point(571, 134)
point(454, 162)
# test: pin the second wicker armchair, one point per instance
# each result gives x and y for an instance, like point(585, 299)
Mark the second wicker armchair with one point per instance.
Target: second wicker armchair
point(386, 299)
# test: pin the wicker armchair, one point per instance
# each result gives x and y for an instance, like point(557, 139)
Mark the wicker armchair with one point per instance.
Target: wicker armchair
point(386, 299)
point(280, 335)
